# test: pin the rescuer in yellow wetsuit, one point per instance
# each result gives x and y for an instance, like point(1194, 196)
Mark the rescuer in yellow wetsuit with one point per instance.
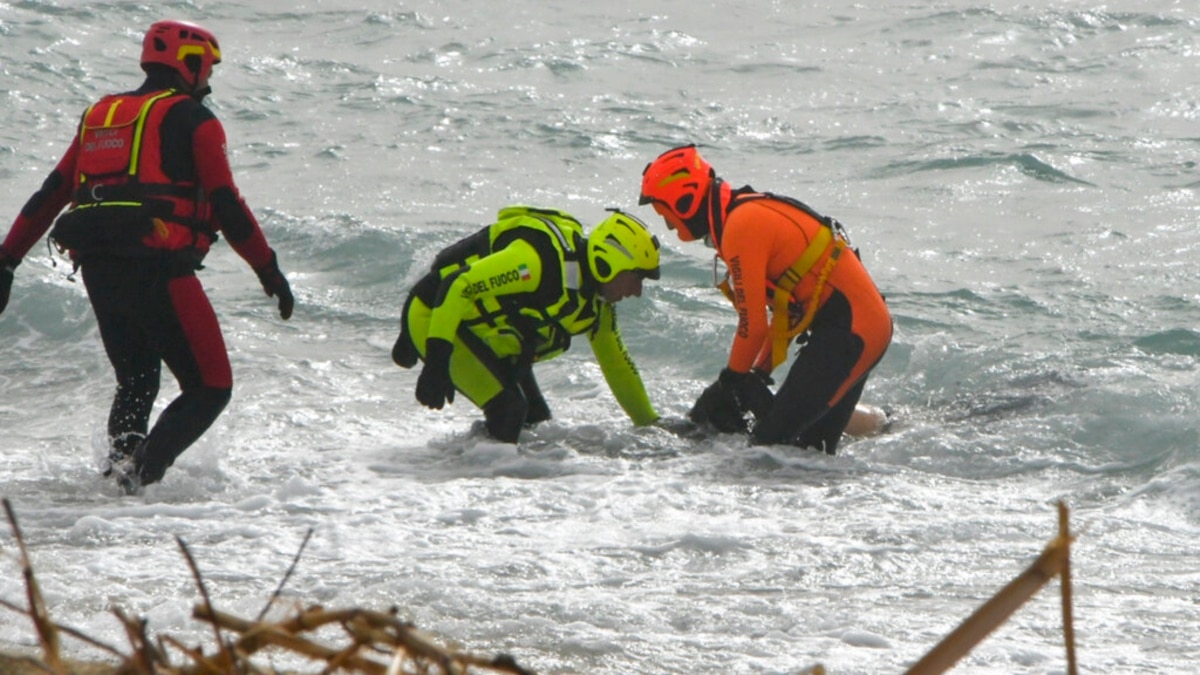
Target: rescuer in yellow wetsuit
point(513, 294)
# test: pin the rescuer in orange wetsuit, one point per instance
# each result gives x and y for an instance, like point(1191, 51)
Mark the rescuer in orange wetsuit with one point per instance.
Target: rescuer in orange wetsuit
point(791, 274)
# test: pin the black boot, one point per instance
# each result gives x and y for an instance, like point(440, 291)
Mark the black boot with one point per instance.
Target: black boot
point(120, 452)
point(504, 415)
point(538, 410)
point(129, 483)
point(139, 472)
point(404, 352)
point(128, 470)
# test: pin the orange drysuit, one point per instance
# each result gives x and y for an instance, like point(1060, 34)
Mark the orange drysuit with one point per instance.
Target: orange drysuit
point(760, 237)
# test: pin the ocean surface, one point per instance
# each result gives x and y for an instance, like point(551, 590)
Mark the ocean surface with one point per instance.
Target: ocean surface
point(1021, 178)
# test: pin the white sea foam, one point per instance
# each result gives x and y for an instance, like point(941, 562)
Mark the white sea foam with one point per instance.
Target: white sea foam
point(1019, 178)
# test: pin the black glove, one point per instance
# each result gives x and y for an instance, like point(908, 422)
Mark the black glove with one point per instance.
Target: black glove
point(684, 428)
point(751, 391)
point(718, 408)
point(434, 387)
point(7, 265)
point(276, 285)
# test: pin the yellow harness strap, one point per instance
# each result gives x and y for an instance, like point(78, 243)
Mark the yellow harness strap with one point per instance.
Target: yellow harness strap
point(781, 334)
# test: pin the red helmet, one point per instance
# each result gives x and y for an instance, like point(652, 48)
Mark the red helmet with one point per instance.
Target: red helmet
point(185, 47)
point(677, 182)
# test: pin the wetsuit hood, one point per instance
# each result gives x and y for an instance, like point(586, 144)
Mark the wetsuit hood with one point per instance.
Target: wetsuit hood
point(159, 77)
point(714, 209)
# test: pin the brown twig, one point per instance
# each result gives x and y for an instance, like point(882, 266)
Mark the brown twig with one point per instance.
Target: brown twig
point(366, 628)
point(257, 636)
point(377, 643)
point(146, 658)
point(1064, 535)
point(224, 648)
point(286, 576)
point(65, 629)
point(47, 631)
point(997, 610)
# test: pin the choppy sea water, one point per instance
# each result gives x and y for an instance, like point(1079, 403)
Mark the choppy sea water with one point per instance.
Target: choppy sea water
point(1021, 179)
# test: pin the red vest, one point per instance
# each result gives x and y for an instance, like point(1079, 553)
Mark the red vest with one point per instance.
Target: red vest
point(119, 174)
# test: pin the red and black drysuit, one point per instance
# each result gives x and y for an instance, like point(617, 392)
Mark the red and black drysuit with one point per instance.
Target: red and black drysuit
point(149, 186)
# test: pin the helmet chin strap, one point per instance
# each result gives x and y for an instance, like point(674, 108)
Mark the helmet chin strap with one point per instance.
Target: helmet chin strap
point(697, 226)
point(716, 214)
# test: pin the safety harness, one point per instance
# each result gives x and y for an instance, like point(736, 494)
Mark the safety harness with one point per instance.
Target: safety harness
point(121, 191)
point(781, 332)
point(830, 239)
point(560, 311)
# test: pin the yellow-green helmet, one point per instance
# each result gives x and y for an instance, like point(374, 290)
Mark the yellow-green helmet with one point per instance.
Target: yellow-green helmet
point(622, 242)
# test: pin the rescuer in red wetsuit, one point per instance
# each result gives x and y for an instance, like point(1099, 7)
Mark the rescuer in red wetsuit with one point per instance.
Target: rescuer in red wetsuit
point(147, 187)
point(784, 257)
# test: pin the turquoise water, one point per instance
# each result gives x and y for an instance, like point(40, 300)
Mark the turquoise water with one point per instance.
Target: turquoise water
point(1020, 177)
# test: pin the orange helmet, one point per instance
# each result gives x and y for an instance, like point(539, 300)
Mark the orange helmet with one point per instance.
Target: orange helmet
point(184, 47)
point(677, 182)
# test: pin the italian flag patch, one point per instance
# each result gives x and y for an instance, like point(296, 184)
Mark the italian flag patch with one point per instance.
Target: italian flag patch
point(523, 270)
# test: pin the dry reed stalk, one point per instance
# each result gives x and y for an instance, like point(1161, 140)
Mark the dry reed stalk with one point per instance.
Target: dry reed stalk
point(370, 634)
point(46, 629)
point(367, 634)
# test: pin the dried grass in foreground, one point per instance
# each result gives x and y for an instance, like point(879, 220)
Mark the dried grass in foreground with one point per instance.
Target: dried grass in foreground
point(370, 642)
point(378, 643)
